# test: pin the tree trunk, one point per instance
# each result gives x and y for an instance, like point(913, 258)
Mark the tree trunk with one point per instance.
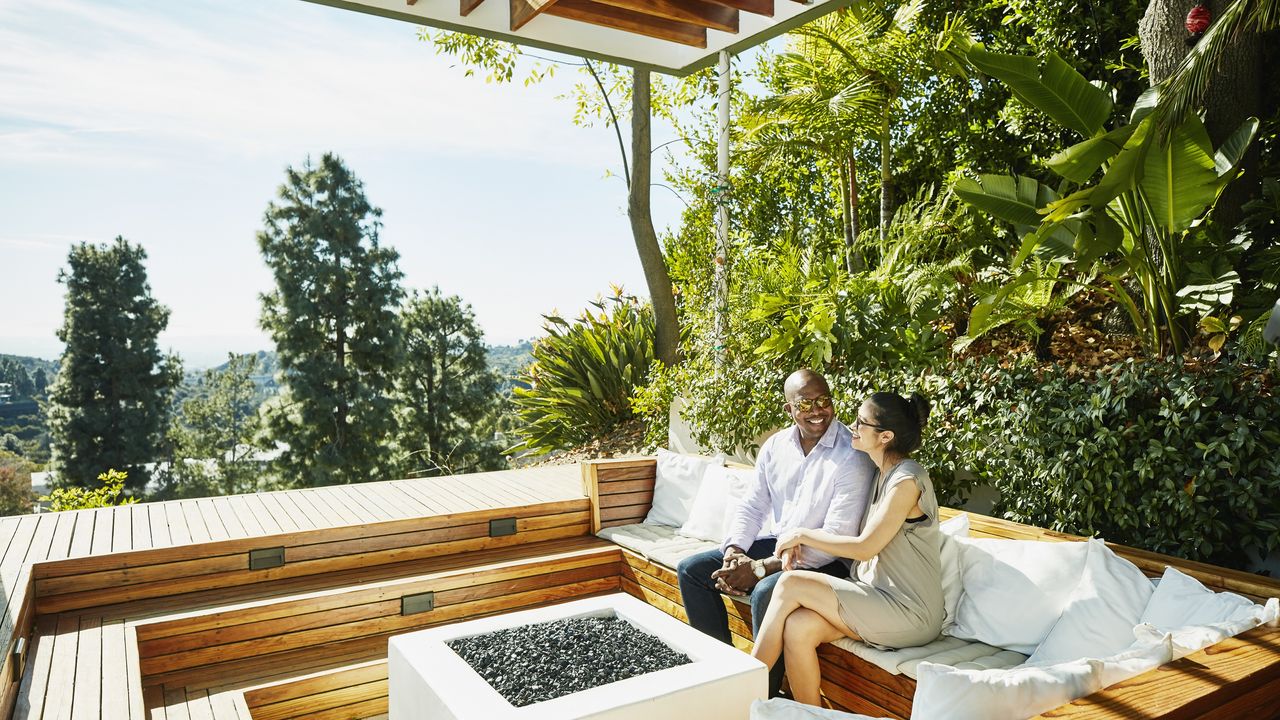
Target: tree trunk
point(1234, 94)
point(886, 177)
point(667, 342)
point(849, 206)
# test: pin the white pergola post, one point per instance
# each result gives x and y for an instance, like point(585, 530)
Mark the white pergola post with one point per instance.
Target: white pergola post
point(722, 190)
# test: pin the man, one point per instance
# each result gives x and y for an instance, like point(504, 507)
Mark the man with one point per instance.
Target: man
point(808, 476)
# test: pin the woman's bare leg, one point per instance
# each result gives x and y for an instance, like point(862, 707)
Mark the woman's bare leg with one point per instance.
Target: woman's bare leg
point(768, 642)
point(805, 631)
point(797, 589)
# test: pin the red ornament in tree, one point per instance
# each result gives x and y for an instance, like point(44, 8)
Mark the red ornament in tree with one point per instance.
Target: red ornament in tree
point(1198, 21)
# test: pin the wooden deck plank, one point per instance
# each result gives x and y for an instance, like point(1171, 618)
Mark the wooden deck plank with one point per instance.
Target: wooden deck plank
point(263, 514)
point(133, 671)
point(58, 694)
point(141, 519)
point(212, 521)
point(388, 509)
point(175, 703)
point(177, 525)
point(333, 508)
point(82, 537)
point(248, 519)
point(392, 492)
point(122, 529)
point(42, 538)
point(198, 705)
point(103, 520)
point(411, 490)
point(289, 502)
point(87, 686)
point(154, 703)
point(159, 524)
point(60, 547)
point(278, 513)
point(230, 520)
point(301, 505)
point(354, 504)
point(35, 681)
point(195, 521)
point(114, 679)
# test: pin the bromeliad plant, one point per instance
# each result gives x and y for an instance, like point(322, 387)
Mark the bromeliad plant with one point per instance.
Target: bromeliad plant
point(1131, 207)
point(583, 373)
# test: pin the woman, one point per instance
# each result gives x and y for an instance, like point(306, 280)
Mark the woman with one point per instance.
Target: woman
point(894, 597)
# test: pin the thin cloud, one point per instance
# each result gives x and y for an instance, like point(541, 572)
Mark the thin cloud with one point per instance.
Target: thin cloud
point(254, 80)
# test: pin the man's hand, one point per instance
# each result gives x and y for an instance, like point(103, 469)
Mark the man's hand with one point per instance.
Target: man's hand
point(737, 578)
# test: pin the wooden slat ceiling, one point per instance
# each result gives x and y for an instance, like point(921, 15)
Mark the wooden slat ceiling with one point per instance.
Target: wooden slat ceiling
point(674, 36)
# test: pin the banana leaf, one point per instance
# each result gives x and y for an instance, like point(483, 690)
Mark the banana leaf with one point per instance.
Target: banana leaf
point(1054, 87)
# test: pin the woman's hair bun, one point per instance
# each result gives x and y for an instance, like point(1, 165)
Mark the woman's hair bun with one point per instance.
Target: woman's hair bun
point(920, 405)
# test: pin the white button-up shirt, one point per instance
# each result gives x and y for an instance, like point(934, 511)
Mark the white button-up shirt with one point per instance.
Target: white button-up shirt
point(829, 488)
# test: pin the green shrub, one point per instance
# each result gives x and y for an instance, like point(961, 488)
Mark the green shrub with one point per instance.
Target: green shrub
point(583, 374)
point(1177, 459)
point(78, 498)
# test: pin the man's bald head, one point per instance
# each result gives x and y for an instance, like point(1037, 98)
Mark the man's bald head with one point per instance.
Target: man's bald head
point(804, 378)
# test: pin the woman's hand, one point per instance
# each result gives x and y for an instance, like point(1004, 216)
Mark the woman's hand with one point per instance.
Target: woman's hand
point(790, 539)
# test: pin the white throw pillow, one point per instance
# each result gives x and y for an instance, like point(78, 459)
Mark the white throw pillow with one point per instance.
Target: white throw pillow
point(947, 693)
point(952, 586)
point(1100, 616)
point(717, 501)
point(1015, 590)
point(676, 484)
point(1180, 601)
point(1196, 616)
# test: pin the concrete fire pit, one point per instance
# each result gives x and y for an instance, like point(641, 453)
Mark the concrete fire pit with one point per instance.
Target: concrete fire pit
point(427, 679)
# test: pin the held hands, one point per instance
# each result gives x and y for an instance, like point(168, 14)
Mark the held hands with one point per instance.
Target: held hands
point(790, 547)
point(735, 576)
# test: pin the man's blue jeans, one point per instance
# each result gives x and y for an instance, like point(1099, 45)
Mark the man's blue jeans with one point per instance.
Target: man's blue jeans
point(705, 609)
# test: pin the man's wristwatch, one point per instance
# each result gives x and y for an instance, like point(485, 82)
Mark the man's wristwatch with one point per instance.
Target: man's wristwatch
point(757, 568)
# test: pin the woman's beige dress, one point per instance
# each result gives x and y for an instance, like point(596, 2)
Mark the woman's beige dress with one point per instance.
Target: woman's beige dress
point(894, 600)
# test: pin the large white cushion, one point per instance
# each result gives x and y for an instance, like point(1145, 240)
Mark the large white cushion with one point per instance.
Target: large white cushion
point(952, 584)
point(717, 500)
point(1196, 616)
point(780, 709)
point(676, 484)
point(1015, 590)
point(1102, 611)
point(948, 693)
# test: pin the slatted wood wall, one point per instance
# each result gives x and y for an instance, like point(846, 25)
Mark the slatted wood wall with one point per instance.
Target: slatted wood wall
point(621, 491)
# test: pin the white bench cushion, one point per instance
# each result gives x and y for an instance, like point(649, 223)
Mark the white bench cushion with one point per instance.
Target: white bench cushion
point(657, 543)
point(945, 650)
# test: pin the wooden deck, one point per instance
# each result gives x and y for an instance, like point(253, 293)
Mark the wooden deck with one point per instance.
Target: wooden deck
point(161, 612)
point(87, 574)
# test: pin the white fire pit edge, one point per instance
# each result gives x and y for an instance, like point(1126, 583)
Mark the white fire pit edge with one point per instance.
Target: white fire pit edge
point(428, 680)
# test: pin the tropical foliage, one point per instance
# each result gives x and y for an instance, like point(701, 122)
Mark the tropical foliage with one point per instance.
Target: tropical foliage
point(583, 374)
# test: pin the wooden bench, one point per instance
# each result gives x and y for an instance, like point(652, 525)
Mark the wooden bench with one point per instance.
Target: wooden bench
point(1237, 675)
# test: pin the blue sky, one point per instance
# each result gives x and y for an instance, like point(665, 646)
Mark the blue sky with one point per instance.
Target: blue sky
point(171, 124)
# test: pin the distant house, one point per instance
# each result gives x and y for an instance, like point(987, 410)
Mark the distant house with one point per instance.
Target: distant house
point(6, 393)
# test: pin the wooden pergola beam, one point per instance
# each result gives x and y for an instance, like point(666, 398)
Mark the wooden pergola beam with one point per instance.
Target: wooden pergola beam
point(756, 7)
point(522, 11)
point(694, 12)
point(609, 16)
point(464, 6)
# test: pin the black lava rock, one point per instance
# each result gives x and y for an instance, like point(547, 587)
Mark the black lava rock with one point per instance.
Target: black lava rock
point(533, 663)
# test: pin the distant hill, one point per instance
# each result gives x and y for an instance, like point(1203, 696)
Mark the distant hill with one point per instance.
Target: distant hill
point(509, 361)
point(32, 363)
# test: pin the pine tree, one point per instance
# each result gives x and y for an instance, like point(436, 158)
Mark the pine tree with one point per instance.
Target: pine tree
point(213, 437)
point(333, 319)
point(448, 400)
point(109, 404)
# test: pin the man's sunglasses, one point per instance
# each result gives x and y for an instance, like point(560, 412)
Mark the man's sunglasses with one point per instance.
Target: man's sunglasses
point(822, 402)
